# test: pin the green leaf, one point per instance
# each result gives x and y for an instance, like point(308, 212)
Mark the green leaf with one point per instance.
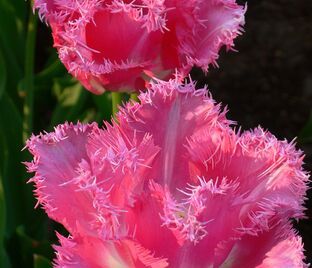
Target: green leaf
point(71, 99)
point(12, 37)
point(3, 74)
point(53, 70)
point(10, 128)
point(13, 200)
point(41, 262)
point(18, 195)
point(28, 108)
point(23, 248)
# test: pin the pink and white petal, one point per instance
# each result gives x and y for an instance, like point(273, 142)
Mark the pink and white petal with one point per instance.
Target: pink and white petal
point(219, 22)
point(198, 29)
point(119, 63)
point(287, 253)
point(129, 49)
point(178, 42)
point(171, 113)
point(279, 247)
point(91, 252)
point(272, 173)
point(46, 9)
point(145, 257)
point(269, 173)
point(144, 219)
point(125, 38)
point(57, 156)
point(203, 219)
point(121, 161)
point(276, 164)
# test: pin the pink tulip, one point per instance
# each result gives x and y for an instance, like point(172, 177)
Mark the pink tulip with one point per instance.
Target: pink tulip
point(170, 184)
point(120, 44)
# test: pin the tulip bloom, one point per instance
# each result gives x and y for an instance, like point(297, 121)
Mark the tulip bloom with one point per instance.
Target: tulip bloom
point(170, 184)
point(120, 44)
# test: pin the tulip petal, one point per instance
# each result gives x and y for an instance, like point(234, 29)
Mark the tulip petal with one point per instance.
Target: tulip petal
point(268, 172)
point(87, 252)
point(57, 156)
point(171, 116)
point(279, 247)
point(124, 156)
point(222, 22)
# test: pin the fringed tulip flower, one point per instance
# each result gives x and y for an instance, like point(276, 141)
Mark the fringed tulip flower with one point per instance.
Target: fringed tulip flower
point(170, 184)
point(120, 44)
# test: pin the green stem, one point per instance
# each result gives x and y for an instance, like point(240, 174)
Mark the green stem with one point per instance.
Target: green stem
point(116, 101)
point(134, 96)
point(29, 75)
